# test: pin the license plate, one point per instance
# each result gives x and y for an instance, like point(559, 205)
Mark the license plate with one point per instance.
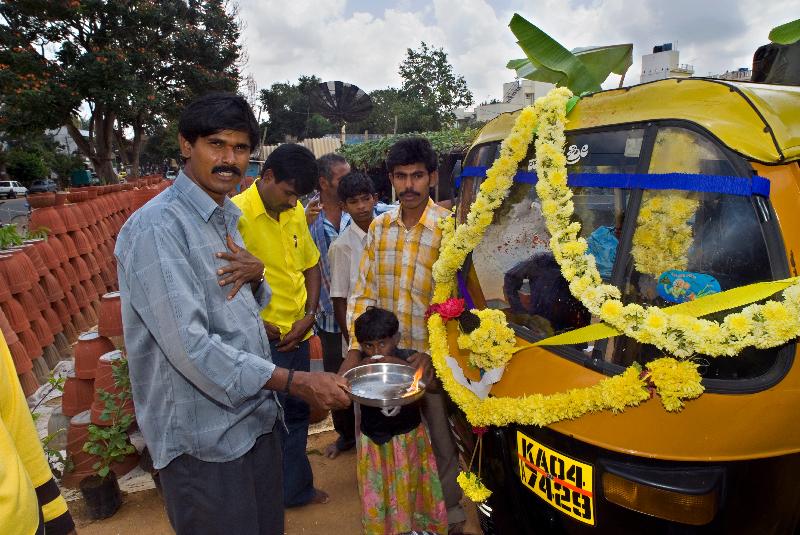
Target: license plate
point(563, 482)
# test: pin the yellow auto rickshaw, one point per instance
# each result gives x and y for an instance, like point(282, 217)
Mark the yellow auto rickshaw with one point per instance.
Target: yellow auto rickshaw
point(729, 462)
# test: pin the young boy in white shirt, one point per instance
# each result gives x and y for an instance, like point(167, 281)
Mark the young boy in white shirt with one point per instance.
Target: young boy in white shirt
point(358, 198)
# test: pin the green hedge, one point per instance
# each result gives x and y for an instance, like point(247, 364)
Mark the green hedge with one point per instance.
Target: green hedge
point(371, 154)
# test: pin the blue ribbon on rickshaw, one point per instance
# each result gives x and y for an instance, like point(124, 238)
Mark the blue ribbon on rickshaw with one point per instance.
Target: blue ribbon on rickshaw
point(731, 185)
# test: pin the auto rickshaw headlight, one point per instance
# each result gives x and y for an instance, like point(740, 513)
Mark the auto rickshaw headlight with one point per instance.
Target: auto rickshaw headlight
point(693, 509)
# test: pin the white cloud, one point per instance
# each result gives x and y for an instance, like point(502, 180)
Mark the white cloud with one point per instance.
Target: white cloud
point(284, 40)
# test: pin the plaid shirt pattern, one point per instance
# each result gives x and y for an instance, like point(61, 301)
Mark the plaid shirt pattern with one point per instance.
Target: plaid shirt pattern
point(396, 273)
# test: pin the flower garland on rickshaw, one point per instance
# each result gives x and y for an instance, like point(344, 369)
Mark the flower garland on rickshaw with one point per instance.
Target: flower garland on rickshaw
point(682, 335)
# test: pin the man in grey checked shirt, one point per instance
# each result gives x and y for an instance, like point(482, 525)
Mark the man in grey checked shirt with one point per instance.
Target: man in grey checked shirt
point(202, 375)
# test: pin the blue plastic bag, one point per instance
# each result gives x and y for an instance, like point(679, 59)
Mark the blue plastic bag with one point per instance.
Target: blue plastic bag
point(603, 245)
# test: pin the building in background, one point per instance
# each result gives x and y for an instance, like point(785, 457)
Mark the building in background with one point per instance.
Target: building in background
point(664, 63)
point(742, 74)
point(516, 95)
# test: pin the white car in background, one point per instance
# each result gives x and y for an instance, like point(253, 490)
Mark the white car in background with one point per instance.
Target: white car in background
point(11, 189)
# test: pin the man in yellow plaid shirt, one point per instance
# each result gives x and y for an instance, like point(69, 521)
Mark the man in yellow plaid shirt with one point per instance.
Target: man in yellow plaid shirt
point(396, 266)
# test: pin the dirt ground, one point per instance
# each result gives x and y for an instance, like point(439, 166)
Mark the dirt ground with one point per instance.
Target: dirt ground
point(142, 513)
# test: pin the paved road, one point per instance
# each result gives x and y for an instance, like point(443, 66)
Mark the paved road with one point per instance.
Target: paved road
point(15, 210)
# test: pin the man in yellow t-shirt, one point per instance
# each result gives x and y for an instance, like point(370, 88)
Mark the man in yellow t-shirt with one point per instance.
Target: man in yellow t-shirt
point(30, 500)
point(275, 230)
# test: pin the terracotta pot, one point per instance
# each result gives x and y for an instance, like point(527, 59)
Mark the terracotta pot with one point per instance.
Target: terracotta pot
point(29, 383)
point(72, 275)
point(80, 296)
point(110, 320)
point(91, 263)
point(40, 200)
point(91, 291)
point(90, 347)
point(78, 395)
point(40, 297)
point(81, 268)
point(104, 376)
point(52, 287)
point(63, 346)
point(82, 244)
point(62, 312)
point(67, 215)
point(80, 322)
point(8, 333)
point(48, 218)
point(48, 254)
point(16, 271)
point(41, 330)
point(63, 280)
point(15, 314)
point(33, 251)
point(53, 320)
point(22, 362)
point(99, 285)
point(72, 303)
point(90, 315)
point(77, 196)
point(61, 198)
point(51, 356)
point(69, 245)
point(59, 251)
point(32, 345)
point(29, 303)
point(5, 291)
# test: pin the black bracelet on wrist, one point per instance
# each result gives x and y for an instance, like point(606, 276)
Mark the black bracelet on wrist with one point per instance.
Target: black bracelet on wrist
point(288, 381)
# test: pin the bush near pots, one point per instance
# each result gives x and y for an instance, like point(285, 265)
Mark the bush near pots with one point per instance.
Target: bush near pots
point(110, 444)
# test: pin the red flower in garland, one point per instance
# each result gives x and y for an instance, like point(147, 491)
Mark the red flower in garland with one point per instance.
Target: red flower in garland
point(449, 310)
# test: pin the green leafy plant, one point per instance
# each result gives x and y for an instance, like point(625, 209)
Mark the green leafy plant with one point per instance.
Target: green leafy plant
point(786, 34)
point(10, 237)
point(371, 154)
point(38, 234)
point(110, 443)
point(581, 69)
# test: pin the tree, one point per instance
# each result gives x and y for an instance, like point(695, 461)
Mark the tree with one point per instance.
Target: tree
point(428, 78)
point(129, 63)
point(289, 109)
point(394, 111)
point(25, 165)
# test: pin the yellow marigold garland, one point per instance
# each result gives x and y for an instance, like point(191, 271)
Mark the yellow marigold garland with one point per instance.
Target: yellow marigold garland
point(673, 382)
point(767, 325)
point(492, 344)
point(473, 488)
point(663, 232)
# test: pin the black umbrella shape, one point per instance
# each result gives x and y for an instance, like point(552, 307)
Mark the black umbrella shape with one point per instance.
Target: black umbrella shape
point(340, 102)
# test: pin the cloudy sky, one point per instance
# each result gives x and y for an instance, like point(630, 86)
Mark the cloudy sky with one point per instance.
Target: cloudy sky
point(364, 41)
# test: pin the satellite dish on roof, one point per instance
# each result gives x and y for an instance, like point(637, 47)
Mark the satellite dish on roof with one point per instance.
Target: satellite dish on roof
point(341, 103)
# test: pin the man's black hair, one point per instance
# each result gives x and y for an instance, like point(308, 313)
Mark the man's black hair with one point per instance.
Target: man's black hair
point(354, 184)
point(215, 112)
point(295, 163)
point(376, 324)
point(327, 162)
point(412, 150)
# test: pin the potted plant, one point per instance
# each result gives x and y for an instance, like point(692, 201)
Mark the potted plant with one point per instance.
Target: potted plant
point(111, 445)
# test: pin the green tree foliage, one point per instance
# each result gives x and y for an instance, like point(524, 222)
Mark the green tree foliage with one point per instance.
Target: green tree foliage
point(371, 155)
point(25, 165)
point(428, 78)
point(131, 64)
point(289, 108)
point(394, 111)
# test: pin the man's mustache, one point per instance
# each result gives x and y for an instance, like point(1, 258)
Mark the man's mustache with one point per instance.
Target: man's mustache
point(409, 192)
point(226, 169)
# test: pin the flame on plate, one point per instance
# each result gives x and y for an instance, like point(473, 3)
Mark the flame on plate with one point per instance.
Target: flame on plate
point(412, 389)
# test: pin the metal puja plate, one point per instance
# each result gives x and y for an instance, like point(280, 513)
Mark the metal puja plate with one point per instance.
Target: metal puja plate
point(382, 384)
